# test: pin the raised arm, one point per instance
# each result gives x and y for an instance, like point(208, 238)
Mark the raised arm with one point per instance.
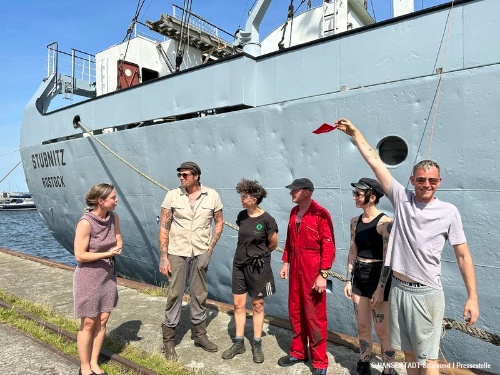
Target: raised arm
point(163, 238)
point(367, 152)
point(219, 226)
point(466, 266)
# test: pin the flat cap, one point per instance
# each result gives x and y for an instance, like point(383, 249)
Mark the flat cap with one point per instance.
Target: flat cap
point(301, 183)
point(191, 165)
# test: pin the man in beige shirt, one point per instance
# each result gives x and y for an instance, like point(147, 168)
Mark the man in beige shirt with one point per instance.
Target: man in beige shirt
point(186, 244)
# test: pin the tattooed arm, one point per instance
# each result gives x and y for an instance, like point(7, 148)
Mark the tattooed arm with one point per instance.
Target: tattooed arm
point(163, 238)
point(351, 258)
point(384, 229)
point(219, 225)
point(368, 153)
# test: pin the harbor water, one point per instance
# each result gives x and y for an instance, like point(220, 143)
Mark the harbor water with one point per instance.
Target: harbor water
point(26, 232)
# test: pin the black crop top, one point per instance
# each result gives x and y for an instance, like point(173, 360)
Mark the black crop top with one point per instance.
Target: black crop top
point(368, 241)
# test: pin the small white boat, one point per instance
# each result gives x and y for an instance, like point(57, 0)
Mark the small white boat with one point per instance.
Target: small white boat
point(16, 202)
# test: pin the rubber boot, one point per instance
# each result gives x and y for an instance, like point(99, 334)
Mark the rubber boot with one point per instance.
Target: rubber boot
point(258, 355)
point(168, 342)
point(363, 368)
point(201, 339)
point(238, 347)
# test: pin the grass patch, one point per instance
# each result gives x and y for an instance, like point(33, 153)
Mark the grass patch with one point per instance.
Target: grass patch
point(159, 291)
point(155, 362)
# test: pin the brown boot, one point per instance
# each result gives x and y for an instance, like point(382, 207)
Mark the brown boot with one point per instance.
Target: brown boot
point(201, 339)
point(168, 342)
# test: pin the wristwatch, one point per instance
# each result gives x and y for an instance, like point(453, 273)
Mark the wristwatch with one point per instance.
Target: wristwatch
point(324, 274)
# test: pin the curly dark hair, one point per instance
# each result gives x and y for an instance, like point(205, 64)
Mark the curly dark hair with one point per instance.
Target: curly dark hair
point(253, 188)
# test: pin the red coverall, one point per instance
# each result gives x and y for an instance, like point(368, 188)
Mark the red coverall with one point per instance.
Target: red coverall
point(308, 250)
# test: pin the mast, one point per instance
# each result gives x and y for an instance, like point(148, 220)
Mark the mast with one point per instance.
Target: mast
point(249, 38)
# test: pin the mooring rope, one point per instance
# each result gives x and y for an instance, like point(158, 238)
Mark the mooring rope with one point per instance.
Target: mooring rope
point(131, 166)
point(9, 172)
point(8, 153)
point(441, 74)
point(472, 331)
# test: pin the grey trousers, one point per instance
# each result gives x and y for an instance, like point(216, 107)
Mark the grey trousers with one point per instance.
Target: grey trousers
point(195, 268)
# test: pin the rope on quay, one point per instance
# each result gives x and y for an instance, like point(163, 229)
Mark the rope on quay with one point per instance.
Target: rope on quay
point(447, 322)
point(115, 357)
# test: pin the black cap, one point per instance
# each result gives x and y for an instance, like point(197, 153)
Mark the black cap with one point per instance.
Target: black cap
point(301, 183)
point(191, 165)
point(369, 183)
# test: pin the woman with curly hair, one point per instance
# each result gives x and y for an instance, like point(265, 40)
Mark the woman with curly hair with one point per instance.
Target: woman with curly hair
point(252, 273)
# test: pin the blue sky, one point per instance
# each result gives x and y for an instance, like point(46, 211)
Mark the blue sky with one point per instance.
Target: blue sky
point(28, 26)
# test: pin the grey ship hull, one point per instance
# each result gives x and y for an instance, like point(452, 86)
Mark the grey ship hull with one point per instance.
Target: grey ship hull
point(383, 78)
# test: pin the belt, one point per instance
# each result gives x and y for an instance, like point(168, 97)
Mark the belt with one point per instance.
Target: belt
point(409, 284)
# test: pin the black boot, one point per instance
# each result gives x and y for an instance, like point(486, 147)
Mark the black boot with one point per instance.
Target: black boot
point(258, 355)
point(201, 339)
point(168, 342)
point(238, 347)
point(363, 368)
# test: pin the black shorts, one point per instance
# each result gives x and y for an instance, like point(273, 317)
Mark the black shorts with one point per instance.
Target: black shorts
point(258, 283)
point(366, 277)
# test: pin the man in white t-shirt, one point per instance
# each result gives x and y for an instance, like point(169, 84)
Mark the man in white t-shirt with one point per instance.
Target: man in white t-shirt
point(422, 224)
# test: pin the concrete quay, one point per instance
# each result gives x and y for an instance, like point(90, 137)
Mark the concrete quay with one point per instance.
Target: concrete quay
point(21, 354)
point(138, 316)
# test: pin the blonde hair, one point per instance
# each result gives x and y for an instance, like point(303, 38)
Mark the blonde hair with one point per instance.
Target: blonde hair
point(96, 192)
point(426, 164)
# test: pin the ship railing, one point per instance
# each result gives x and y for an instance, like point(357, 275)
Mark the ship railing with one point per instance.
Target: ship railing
point(142, 30)
point(78, 66)
point(202, 24)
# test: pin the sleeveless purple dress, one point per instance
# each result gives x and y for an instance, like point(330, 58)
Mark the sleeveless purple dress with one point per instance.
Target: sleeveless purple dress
point(94, 283)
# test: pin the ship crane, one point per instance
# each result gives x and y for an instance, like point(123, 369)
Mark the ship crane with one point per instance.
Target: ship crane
point(249, 38)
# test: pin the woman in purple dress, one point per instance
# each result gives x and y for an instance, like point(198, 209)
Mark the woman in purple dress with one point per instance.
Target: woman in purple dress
point(97, 241)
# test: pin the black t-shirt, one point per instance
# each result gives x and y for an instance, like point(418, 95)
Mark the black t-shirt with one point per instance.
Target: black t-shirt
point(252, 236)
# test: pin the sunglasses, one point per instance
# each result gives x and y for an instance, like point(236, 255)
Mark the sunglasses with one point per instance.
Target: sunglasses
point(422, 180)
point(357, 194)
point(244, 196)
point(184, 175)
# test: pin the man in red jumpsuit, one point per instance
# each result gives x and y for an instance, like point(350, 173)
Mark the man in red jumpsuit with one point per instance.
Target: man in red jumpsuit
point(308, 255)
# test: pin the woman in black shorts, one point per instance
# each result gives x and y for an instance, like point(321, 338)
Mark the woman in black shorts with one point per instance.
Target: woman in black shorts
point(252, 273)
point(368, 281)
